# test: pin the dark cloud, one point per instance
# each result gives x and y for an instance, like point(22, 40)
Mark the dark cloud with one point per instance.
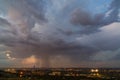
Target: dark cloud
point(22, 16)
point(33, 9)
point(4, 22)
point(45, 51)
point(113, 16)
point(94, 22)
point(47, 31)
point(82, 17)
point(7, 33)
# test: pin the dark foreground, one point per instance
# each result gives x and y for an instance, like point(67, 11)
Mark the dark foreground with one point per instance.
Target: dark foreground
point(59, 74)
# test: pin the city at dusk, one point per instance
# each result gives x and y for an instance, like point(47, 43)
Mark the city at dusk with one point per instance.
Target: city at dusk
point(59, 40)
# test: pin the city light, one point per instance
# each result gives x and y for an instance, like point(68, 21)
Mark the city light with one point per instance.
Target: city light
point(59, 73)
point(94, 70)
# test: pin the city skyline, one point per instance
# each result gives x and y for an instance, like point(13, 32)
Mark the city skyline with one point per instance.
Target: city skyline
point(60, 33)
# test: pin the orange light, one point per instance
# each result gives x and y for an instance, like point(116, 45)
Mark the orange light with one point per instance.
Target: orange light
point(96, 70)
point(20, 75)
point(21, 72)
point(92, 70)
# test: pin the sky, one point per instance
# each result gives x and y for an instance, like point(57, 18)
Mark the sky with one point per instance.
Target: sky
point(60, 33)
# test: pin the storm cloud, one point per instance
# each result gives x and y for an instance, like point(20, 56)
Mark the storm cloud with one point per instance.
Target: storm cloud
point(85, 18)
point(49, 31)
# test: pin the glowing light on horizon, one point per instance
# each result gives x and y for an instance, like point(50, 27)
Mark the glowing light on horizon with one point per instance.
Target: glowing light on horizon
point(30, 61)
point(94, 70)
point(8, 55)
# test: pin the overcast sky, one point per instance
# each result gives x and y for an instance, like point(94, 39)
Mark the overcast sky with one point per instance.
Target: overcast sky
point(60, 33)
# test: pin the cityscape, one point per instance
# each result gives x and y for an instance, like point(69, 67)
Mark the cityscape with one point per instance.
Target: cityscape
point(59, 74)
